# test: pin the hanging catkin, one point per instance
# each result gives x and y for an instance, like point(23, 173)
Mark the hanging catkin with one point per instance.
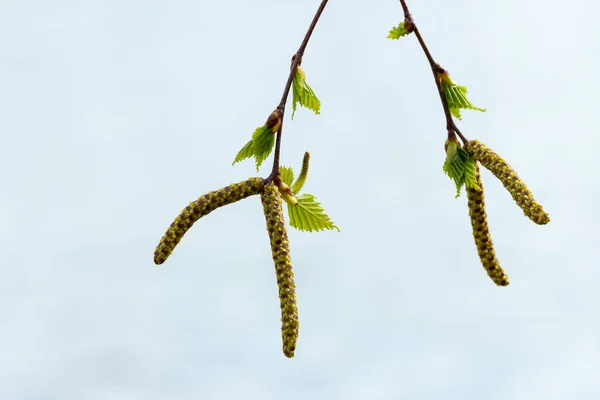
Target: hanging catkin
point(198, 209)
point(481, 234)
point(280, 247)
point(509, 178)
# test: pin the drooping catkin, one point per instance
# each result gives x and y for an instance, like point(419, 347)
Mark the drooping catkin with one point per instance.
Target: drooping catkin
point(509, 178)
point(481, 234)
point(198, 209)
point(280, 247)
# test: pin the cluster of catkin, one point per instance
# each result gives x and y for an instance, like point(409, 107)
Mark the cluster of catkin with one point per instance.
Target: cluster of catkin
point(520, 194)
point(280, 246)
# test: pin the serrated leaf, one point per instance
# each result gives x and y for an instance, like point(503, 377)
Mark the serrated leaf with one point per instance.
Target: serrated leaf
point(462, 171)
point(471, 174)
point(397, 32)
point(454, 171)
point(246, 152)
point(456, 97)
point(263, 141)
point(286, 174)
point(308, 215)
point(303, 94)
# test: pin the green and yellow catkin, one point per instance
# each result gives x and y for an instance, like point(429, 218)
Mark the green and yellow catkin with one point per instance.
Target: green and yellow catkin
point(280, 247)
point(509, 178)
point(481, 234)
point(198, 209)
point(301, 180)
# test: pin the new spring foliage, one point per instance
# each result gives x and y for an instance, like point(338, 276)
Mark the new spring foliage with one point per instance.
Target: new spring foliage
point(398, 31)
point(456, 96)
point(305, 212)
point(198, 209)
point(280, 248)
point(303, 94)
point(509, 178)
point(263, 139)
point(481, 233)
point(460, 166)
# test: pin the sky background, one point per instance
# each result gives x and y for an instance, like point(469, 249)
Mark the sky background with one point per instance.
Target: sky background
point(115, 114)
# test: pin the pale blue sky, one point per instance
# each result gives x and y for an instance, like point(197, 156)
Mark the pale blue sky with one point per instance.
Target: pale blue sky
point(115, 114)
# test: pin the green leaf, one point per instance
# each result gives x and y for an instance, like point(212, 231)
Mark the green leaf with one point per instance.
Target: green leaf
point(471, 174)
point(303, 94)
point(287, 175)
point(397, 32)
point(246, 152)
point(462, 170)
point(308, 215)
point(454, 171)
point(263, 141)
point(456, 97)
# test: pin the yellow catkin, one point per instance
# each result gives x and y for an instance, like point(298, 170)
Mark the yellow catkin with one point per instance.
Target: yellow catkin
point(509, 178)
point(280, 247)
point(481, 233)
point(201, 207)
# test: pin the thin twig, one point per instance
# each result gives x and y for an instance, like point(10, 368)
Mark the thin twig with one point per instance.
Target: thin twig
point(296, 61)
point(437, 71)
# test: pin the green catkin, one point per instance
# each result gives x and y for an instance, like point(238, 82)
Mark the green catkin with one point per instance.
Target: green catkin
point(198, 209)
point(481, 234)
point(280, 247)
point(299, 184)
point(509, 178)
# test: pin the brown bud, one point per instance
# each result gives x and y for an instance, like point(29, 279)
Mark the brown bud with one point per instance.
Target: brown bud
point(274, 120)
point(409, 24)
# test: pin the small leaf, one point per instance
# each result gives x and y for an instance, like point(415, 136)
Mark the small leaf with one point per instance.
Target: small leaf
point(263, 141)
point(397, 32)
point(308, 215)
point(471, 174)
point(462, 170)
point(286, 174)
point(246, 152)
point(454, 171)
point(456, 97)
point(303, 94)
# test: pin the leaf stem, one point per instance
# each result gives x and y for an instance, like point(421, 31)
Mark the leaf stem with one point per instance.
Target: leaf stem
point(437, 71)
point(296, 61)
